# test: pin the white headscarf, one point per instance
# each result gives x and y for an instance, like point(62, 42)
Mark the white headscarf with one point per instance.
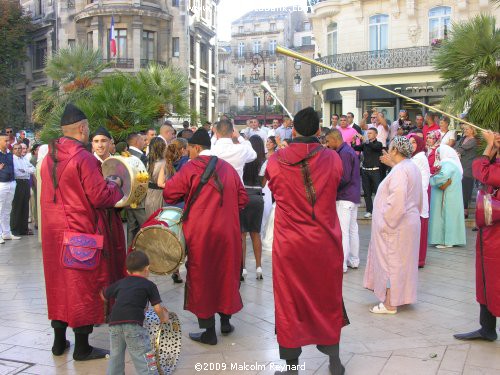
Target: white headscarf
point(449, 154)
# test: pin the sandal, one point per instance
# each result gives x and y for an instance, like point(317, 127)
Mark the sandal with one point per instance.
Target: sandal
point(381, 309)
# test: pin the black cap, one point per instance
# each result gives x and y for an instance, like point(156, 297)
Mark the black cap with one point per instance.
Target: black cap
point(72, 115)
point(102, 131)
point(200, 137)
point(306, 122)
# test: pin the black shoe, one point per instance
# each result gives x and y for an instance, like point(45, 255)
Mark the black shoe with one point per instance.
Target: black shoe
point(476, 335)
point(95, 353)
point(226, 329)
point(475, 229)
point(203, 338)
point(58, 351)
point(420, 266)
point(177, 279)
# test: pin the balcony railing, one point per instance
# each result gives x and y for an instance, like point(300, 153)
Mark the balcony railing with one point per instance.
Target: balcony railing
point(145, 63)
point(248, 55)
point(374, 60)
point(121, 63)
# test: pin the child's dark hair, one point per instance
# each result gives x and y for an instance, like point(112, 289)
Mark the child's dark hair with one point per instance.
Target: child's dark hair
point(136, 261)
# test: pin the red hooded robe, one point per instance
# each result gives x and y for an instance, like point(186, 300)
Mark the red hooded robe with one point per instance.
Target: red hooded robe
point(213, 237)
point(73, 295)
point(307, 252)
point(488, 281)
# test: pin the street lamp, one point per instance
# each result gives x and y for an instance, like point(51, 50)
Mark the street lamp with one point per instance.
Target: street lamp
point(297, 78)
point(255, 60)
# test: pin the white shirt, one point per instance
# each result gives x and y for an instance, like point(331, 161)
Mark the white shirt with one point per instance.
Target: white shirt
point(261, 133)
point(423, 165)
point(447, 136)
point(22, 168)
point(236, 154)
point(98, 158)
point(135, 149)
point(382, 135)
point(271, 133)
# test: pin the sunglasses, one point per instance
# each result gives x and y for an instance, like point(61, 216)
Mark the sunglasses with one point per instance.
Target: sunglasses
point(9, 131)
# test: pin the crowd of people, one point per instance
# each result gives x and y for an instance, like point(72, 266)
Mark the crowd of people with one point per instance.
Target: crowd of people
point(282, 179)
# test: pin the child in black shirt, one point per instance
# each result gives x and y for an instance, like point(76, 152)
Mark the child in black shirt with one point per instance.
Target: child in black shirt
point(127, 315)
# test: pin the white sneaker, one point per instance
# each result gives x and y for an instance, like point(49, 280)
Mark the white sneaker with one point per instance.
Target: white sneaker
point(11, 237)
point(368, 215)
point(244, 274)
point(1, 240)
point(258, 273)
point(443, 246)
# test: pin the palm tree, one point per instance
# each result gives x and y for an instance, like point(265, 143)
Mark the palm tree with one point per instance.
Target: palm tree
point(74, 71)
point(469, 64)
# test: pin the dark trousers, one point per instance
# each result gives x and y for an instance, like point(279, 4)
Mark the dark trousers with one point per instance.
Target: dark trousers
point(467, 186)
point(370, 181)
point(210, 322)
point(135, 218)
point(294, 353)
point(20, 208)
point(487, 320)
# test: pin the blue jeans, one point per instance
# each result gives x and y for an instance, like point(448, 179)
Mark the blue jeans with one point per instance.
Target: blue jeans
point(136, 339)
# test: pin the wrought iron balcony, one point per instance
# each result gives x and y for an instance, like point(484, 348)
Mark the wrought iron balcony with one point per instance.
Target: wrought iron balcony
point(241, 80)
point(121, 63)
point(145, 63)
point(374, 60)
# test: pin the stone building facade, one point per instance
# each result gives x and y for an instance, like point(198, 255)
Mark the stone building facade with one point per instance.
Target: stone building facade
point(177, 32)
point(251, 55)
point(386, 42)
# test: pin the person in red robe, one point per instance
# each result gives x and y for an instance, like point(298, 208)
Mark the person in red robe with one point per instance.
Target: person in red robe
point(74, 197)
point(213, 238)
point(486, 170)
point(307, 248)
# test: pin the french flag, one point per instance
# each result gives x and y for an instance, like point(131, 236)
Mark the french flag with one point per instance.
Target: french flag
point(112, 40)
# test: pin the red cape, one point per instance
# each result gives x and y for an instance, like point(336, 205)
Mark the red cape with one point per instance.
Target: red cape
point(73, 296)
point(307, 253)
point(488, 174)
point(213, 237)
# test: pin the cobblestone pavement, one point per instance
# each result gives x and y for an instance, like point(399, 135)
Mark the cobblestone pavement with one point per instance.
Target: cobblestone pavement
point(418, 340)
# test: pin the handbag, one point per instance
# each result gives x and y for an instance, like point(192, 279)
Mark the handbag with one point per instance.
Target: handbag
point(445, 185)
point(81, 251)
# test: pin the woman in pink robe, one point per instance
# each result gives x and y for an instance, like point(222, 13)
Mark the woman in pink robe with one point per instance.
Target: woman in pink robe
point(392, 265)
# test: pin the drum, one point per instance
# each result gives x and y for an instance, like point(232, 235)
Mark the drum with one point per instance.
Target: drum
point(166, 340)
point(162, 239)
point(134, 176)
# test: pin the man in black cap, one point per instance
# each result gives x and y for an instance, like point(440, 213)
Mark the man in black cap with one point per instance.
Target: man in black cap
point(101, 143)
point(213, 238)
point(307, 284)
point(74, 198)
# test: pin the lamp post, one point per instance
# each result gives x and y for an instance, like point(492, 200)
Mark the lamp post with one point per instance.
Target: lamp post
point(256, 76)
point(297, 78)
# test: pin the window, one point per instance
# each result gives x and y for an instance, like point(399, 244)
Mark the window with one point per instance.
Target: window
point(272, 47)
point(297, 87)
point(121, 43)
point(240, 30)
point(192, 51)
point(90, 40)
point(241, 49)
point(331, 39)
point(38, 7)
point(175, 3)
point(241, 100)
point(256, 102)
point(256, 27)
point(272, 26)
point(148, 46)
point(297, 105)
point(256, 46)
point(203, 56)
point(439, 23)
point(273, 71)
point(307, 26)
point(71, 43)
point(222, 83)
point(40, 53)
point(175, 47)
point(306, 41)
point(241, 70)
point(379, 30)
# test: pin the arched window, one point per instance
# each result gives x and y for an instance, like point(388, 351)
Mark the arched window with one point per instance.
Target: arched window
point(379, 32)
point(439, 23)
point(331, 39)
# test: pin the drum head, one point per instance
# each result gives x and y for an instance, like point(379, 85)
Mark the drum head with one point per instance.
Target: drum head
point(163, 248)
point(115, 167)
point(166, 344)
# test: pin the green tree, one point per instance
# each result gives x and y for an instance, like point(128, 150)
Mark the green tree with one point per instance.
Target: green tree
point(468, 63)
point(15, 27)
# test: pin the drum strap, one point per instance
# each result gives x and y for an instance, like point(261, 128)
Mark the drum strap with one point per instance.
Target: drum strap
point(205, 177)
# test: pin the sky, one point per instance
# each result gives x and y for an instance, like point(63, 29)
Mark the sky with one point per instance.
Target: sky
point(230, 10)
